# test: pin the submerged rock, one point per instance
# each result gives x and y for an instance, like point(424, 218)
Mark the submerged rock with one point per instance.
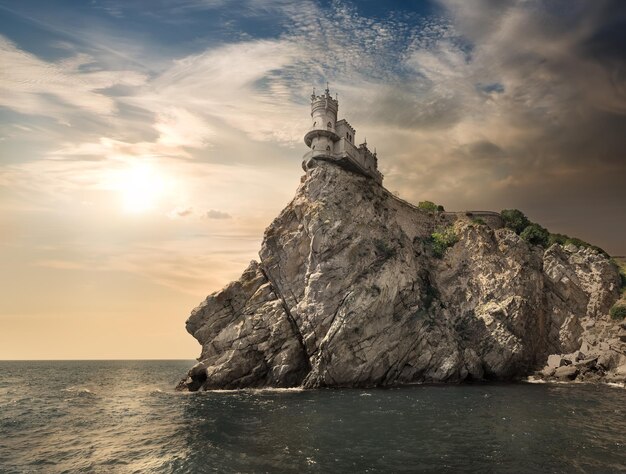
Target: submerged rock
point(351, 291)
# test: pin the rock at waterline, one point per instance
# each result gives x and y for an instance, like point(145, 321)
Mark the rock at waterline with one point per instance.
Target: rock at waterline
point(567, 372)
point(349, 292)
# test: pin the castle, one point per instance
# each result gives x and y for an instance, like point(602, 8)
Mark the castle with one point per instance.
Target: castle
point(333, 140)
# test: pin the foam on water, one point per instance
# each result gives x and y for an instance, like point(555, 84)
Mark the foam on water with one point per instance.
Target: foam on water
point(254, 390)
point(126, 417)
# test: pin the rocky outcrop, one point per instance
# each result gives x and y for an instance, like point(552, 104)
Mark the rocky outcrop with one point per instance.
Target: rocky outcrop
point(594, 350)
point(249, 337)
point(351, 292)
point(601, 355)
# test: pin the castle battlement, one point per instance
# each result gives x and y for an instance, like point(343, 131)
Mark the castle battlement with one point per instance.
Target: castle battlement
point(334, 140)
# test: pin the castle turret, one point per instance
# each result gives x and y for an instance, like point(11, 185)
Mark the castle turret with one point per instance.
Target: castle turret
point(334, 141)
point(322, 136)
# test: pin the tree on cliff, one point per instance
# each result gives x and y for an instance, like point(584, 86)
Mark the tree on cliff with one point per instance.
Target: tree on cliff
point(515, 220)
point(536, 235)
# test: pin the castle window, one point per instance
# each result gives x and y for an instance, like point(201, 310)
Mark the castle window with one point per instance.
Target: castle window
point(328, 148)
point(314, 124)
point(330, 125)
point(347, 135)
point(313, 147)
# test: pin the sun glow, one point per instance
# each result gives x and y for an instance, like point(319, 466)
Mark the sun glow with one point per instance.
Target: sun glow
point(141, 187)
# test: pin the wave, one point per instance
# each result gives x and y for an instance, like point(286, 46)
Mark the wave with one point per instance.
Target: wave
point(255, 390)
point(534, 380)
point(78, 390)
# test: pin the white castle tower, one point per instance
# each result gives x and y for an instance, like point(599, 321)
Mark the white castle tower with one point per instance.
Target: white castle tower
point(332, 140)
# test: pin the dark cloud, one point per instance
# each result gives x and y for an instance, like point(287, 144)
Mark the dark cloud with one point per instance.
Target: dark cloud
point(484, 149)
point(535, 117)
point(409, 109)
point(493, 88)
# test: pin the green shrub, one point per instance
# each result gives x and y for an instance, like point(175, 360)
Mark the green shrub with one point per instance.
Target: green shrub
point(515, 220)
point(430, 206)
point(618, 312)
point(479, 221)
point(441, 240)
point(577, 242)
point(536, 235)
point(558, 239)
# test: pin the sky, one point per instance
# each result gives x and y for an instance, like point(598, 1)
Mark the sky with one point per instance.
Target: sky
point(145, 145)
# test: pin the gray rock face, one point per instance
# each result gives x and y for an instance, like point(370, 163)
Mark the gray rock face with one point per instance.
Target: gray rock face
point(250, 339)
point(349, 292)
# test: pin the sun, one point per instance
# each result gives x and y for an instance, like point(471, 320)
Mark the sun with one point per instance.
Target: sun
point(140, 187)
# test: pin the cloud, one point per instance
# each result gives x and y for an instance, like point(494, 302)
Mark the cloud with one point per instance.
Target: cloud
point(223, 84)
point(178, 127)
point(194, 271)
point(53, 89)
point(178, 130)
point(194, 266)
point(180, 212)
point(214, 214)
point(61, 264)
point(530, 114)
point(490, 104)
point(261, 86)
point(555, 100)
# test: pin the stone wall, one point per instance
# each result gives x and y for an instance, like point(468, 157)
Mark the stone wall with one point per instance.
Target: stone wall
point(491, 218)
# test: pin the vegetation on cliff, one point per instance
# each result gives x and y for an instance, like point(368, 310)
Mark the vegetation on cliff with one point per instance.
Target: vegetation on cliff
point(536, 234)
point(430, 206)
point(441, 239)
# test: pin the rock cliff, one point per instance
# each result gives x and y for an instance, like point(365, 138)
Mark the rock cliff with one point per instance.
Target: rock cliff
point(350, 291)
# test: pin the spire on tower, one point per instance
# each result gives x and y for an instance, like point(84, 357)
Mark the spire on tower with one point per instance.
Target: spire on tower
point(327, 89)
point(313, 95)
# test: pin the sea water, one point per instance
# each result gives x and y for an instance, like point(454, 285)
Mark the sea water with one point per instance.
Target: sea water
point(124, 416)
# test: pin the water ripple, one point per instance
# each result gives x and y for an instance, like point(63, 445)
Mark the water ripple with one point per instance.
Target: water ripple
point(96, 417)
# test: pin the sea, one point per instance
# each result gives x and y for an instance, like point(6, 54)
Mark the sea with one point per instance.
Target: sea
point(125, 417)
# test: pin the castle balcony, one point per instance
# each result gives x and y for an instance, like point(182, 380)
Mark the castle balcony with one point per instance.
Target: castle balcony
point(346, 149)
point(319, 154)
point(317, 131)
point(346, 155)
